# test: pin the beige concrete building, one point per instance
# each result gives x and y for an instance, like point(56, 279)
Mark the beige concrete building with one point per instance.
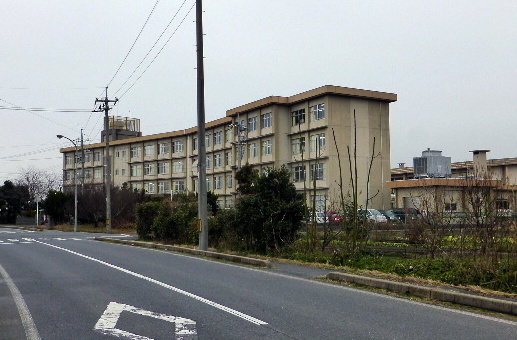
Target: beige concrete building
point(478, 179)
point(297, 132)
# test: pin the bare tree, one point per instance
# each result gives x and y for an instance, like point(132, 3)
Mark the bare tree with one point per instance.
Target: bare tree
point(38, 182)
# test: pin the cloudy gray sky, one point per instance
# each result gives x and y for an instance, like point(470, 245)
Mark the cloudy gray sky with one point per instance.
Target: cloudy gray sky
point(452, 64)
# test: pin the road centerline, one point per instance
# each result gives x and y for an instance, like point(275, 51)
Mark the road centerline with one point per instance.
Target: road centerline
point(165, 285)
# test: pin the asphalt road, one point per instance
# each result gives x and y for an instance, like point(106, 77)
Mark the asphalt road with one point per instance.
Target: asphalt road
point(68, 286)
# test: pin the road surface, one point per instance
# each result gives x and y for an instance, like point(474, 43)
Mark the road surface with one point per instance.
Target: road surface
point(56, 285)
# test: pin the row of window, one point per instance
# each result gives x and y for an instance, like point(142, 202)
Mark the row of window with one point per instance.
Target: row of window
point(317, 172)
point(163, 187)
point(317, 112)
point(69, 159)
point(87, 174)
point(317, 144)
point(265, 122)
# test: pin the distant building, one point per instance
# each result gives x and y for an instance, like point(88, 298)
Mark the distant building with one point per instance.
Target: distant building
point(296, 132)
point(495, 178)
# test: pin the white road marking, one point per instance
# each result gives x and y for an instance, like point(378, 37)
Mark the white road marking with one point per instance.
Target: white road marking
point(184, 328)
point(13, 239)
point(6, 243)
point(175, 289)
point(7, 232)
point(31, 332)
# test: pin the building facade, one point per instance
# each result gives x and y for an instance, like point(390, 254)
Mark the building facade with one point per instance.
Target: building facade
point(311, 133)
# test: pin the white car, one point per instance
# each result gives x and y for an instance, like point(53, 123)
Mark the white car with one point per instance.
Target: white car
point(372, 215)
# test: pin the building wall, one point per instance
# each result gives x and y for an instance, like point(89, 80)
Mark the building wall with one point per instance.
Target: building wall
point(274, 146)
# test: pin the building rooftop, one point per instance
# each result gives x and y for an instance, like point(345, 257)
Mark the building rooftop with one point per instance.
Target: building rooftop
point(317, 92)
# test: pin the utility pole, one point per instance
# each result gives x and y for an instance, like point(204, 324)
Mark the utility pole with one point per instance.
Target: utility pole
point(202, 194)
point(107, 160)
point(82, 163)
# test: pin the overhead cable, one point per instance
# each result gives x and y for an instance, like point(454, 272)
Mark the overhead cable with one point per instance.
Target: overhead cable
point(154, 45)
point(134, 42)
point(156, 56)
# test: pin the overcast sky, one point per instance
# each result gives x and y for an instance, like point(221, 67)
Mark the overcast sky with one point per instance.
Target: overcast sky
point(451, 63)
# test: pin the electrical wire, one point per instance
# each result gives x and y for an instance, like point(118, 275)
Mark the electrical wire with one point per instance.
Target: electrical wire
point(156, 56)
point(154, 45)
point(34, 113)
point(134, 42)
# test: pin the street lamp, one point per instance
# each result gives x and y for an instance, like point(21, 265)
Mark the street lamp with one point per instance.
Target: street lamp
point(75, 179)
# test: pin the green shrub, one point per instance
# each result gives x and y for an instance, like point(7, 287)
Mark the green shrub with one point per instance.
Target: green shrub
point(145, 214)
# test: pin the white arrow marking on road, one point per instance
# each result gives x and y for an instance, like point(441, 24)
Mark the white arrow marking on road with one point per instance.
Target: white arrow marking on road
point(174, 289)
point(184, 328)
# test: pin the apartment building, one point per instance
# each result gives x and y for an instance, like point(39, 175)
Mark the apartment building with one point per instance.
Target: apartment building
point(311, 133)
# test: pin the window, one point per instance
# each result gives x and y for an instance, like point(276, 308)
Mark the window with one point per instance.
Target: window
point(149, 188)
point(149, 151)
point(87, 174)
point(228, 158)
point(318, 142)
point(450, 206)
point(68, 175)
point(208, 183)
point(136, 186)
point(69, 159)
point(148, 169)
point(299, 174)
point(163, 168)
point(164, 148)
point(253, 150)
point(321, 202)
point(194, 143)
point(229, 203)
point(218, 137)
point(218, 182)
point(218, 160)
point(266, 120)
point(208, 162)
point(207, 140)
point(268, 147)
point(178, 167)
point(163, 187)
point(179, 186)
point(97, 156)
point(298, 145)
point(123, 154)
point(229, 181)
point(502, 204)
point(97, 173)
point(252, 124)
point(228, 136)
point(116, 172)
point(318, 111)
point(177, 146)
point(318, 172)
point(123, 171)
point(298, 117)
point(135, 151)
point(87, 157)
point(117, 154)
point(136, 170)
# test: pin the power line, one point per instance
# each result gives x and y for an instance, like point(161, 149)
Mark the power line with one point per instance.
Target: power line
point(160, 51)
point(39, 109)
point(130, 49)
point(154, 45)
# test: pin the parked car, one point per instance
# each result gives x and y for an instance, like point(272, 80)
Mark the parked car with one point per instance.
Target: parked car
point(372, 215)
point(335, 216)
point(406, 214)
point(390, 215)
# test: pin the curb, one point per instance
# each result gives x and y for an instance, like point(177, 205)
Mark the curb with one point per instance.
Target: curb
point(207, 253)
point(487, 303)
